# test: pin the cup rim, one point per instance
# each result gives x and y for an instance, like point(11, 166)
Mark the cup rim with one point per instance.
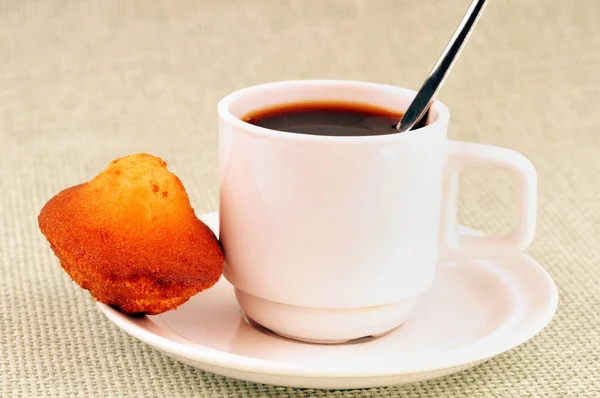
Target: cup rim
point(224, 112)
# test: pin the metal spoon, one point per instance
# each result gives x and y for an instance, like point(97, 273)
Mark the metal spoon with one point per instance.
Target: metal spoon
point(413, 117)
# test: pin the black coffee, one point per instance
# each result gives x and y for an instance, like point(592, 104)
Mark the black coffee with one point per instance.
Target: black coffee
point(327, 118)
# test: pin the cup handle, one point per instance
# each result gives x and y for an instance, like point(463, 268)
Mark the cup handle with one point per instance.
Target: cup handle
point(460, 246)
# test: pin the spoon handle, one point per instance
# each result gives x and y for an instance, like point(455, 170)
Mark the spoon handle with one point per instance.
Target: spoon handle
point(441, 69)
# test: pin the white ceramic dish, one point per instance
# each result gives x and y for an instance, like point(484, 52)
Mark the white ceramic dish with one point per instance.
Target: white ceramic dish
point(474, 311)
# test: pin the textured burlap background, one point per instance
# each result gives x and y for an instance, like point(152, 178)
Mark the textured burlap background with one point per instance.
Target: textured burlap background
point(83, 82)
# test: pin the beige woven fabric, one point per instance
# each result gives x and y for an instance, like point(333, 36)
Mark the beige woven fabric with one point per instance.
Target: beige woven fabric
point(83, 82)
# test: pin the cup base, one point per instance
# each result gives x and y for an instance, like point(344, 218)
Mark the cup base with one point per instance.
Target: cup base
point(324, 325)
point(333, 342)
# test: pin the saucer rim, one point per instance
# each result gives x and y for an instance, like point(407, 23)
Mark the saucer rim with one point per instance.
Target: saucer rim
point(457, 358)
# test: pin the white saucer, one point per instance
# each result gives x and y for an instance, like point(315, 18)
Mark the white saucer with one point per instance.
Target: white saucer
point(474, 311)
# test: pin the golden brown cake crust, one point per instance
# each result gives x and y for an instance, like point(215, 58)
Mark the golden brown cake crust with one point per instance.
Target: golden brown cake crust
point(131, 237)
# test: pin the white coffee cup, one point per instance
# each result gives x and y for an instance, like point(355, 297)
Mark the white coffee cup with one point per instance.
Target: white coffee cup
point(330, 238)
